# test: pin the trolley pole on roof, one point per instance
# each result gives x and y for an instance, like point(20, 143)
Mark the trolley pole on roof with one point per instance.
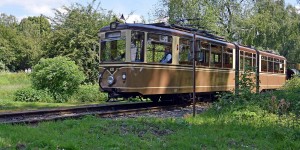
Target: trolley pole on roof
point(194, 74)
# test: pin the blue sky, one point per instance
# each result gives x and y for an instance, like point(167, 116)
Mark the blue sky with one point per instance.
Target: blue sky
point(25, 8)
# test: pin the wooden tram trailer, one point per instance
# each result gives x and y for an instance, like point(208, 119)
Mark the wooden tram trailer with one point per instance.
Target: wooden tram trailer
point(139, 73)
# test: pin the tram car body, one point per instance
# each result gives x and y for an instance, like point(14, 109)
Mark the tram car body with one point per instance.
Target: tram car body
point(130, 62)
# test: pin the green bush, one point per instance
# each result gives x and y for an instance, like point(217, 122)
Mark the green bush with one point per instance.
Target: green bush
point(88, 93)
point(59, 75)
point(32, 95)
point(2, 66)
point(290, 93)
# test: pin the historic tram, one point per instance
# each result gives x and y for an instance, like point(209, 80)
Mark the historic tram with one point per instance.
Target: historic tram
point(130, 62)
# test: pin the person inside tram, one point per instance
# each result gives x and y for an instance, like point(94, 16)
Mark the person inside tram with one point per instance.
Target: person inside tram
point(168, 56)
point(133, 50)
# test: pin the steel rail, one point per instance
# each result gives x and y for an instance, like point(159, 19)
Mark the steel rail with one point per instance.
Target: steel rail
point(105, 110)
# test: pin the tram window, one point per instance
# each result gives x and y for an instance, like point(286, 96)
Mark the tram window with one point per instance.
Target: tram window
point(156, 45)
point(137, 46)
point(281, 66)
point(216, 56)
point(254, 61)
point(204, 53)
point(113, 49)
point(199, 53)
point(276, 65)
point(264, 64)
point(248, 60)
point(270, 64)
point(184, 51)
point(241, 60)
point(228, 58)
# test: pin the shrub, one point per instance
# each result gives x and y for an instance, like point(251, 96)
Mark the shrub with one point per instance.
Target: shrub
point(228, 101)
point(2, 66)
point(33, 95)
point(59, 75)
point(290, 93)
point(89, 93)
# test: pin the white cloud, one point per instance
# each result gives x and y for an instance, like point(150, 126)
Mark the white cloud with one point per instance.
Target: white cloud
point(35, 7)
point(134, 18)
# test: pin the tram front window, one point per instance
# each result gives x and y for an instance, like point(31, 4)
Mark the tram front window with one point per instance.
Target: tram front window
point(113, 49)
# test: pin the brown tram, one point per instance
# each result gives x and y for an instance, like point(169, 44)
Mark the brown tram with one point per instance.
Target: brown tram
point(130, 62)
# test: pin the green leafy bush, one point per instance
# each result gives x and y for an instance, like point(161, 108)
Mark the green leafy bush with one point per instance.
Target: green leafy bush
point(59, 75)
point(33, 95)
point(228, 101)
point(89, 93)
point(2, 66)
point(290, 93)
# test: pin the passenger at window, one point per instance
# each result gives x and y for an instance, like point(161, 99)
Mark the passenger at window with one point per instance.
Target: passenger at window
point(133, 51)
point(167, 57)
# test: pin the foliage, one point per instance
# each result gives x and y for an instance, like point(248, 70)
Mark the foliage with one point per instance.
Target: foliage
point(36, 27)
point(245, 95)
point(8, 20)
point(10, 83)
point(59, 75)
point(88, 93)
point(288, 97)
point(2, 66)
point(33, 95)
point(283, 104)
point(267, 24)
point(247, 84)
point(75, 35)
point(20, 45)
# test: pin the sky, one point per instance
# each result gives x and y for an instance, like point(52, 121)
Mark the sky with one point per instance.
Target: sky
point(26, 8)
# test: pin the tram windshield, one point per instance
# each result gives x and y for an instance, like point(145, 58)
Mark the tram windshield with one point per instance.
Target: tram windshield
point(113, 47)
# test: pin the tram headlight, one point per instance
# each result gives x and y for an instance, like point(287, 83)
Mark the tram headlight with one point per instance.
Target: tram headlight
point(110, 80)
point(124, 75)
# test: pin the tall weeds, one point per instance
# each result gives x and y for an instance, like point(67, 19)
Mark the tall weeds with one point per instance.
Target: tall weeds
point(283, 103)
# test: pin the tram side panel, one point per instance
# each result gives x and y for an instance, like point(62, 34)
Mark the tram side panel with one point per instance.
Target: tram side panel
point(151, 80)
point(270, 81)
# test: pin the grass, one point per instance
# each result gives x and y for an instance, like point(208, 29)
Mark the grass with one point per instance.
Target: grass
point(11, 82)
point(205, 131)
point(6, 105)
point(243, 122)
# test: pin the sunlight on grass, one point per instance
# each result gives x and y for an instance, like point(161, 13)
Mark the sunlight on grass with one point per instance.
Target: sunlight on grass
point(151, 133)
point(11, 82)
point(4, 142)
point(258, 118)
point(6, 105)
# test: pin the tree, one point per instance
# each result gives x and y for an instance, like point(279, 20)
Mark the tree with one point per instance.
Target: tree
point(264, 24)
point(36, 27)
point(75, 35)
point(20, 44)
point(218, 16)
point(8, 20)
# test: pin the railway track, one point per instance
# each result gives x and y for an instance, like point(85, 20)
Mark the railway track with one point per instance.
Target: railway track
point(105, 110)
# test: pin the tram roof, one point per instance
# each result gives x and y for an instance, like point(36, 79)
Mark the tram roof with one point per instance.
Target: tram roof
point(163, 28)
